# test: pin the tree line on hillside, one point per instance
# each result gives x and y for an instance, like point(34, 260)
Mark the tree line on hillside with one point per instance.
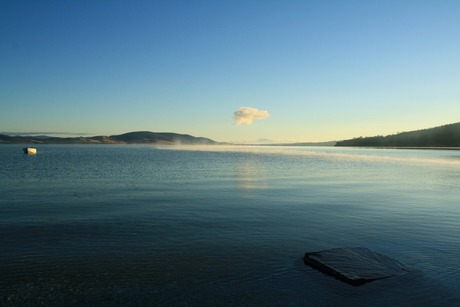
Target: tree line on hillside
point(443, 136)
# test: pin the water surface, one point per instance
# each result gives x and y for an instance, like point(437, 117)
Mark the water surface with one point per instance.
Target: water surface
point(127, 225)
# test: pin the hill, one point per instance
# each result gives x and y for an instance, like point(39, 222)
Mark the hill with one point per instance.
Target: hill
point(442, 136)
point(143, 137)
point(140, 137)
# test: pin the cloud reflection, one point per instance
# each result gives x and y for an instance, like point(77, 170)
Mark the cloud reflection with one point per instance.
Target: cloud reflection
point(249, 174)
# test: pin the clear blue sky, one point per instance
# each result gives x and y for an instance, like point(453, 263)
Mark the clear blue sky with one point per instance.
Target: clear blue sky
point(324, 70)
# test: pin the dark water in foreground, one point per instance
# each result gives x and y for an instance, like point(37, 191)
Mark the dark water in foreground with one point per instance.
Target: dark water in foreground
point(140, 225)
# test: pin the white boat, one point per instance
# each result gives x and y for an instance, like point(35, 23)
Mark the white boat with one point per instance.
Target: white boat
point(30, 150)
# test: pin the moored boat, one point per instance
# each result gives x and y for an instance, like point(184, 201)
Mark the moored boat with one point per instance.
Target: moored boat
point(30, 150)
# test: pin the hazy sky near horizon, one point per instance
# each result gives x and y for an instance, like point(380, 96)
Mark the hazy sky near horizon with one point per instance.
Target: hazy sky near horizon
point(321, 70)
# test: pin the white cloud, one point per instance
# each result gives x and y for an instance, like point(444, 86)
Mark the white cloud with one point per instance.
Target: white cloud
point(246, 115)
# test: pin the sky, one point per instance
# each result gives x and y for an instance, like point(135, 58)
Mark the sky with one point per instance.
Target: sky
point(237, 71)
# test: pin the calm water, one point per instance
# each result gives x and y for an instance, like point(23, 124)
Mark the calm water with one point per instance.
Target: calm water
point(143, 225)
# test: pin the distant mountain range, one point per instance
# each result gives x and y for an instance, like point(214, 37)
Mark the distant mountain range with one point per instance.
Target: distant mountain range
point(443, 136)
point(140, 137)
point(310, 144)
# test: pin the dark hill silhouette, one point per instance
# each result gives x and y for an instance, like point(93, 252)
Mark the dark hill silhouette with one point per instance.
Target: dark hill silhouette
point(160, 137)
point(140, 137)
point(6, 139)
point(442, 136)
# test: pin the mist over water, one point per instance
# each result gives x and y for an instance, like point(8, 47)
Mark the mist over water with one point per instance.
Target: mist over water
point(218, 225)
